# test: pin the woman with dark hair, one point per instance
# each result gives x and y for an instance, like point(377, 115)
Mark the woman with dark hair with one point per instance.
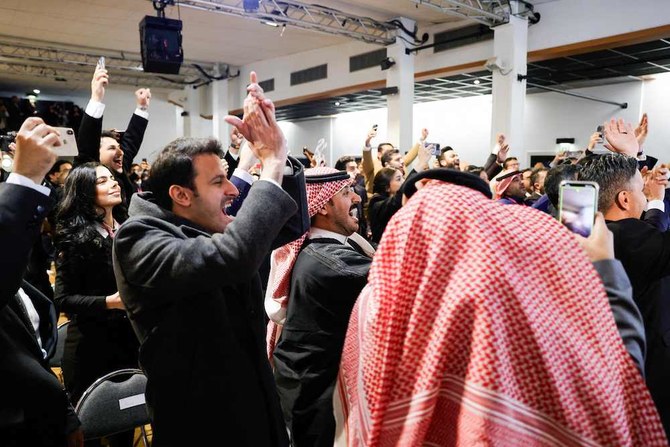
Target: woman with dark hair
point(99, 338)
point(385, 201)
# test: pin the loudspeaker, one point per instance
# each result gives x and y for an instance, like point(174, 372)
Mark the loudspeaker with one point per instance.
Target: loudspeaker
point(160, 41)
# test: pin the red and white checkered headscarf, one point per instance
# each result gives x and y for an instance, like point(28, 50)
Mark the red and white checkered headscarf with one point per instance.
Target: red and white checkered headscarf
point(503, 182)
point(476, 330)
point(322, 184)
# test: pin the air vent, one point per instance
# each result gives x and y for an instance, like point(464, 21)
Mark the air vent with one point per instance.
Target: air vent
point(366, 60)
point(309, 74)
point(268, 85)
point(463, 36)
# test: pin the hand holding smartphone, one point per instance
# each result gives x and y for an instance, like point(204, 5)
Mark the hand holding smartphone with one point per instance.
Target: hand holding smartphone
point(434, 148)
point(101, 62)
point(578, 204)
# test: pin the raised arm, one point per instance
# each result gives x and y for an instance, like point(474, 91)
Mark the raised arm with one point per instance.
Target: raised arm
point(134, 134)
point(88, 137)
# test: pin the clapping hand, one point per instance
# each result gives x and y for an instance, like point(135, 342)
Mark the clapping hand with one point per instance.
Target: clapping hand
point(621, 138)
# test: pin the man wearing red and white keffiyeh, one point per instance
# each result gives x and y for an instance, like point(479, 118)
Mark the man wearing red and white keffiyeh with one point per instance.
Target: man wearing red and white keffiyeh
point(316, 283)
point(462, 338)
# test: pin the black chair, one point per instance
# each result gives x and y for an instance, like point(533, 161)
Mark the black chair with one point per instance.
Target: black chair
point(113, 404)
point(56, 360)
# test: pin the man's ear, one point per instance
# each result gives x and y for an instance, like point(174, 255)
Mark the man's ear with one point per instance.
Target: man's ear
point(623, 200)
point(180, 195)
point(442, 162)
point(323, 211)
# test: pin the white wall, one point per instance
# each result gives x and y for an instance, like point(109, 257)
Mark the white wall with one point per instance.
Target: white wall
point(464, 123)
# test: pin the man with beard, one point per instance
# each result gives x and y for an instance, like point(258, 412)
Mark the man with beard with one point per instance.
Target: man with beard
point(509, 188)
point(449, 159)
point(321, 276)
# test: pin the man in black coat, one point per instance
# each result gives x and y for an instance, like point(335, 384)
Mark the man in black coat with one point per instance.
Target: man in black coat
point(329, 272)
point(116, 150)
point(34, 408)
point(188, 276)
point(644, 251)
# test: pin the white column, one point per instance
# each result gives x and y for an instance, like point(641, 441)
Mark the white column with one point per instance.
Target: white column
point(179, 119)
point(510, 46)
point(192, 106)
point(219, 97)
point(401, 105)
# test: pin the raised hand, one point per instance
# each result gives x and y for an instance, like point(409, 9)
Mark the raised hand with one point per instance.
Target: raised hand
point(371, 134)
point(98, 84)
point(34, 153)
point(259, 127)
point(642, 129)
point(595, 139)
point(247, 158)
point(621, 138)
point(424, 134)
point(503, 151)
point(143, 98)
point(600, 244)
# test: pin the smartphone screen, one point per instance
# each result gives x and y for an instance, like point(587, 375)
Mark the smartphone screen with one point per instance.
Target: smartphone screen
point(578, 203)
point(101, 62)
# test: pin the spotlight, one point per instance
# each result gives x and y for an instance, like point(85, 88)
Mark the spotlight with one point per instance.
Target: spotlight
point(476, 81)
point(36, 91)
point(251, 5)
point(387, 63)
point(265, 22)
point(337, 103)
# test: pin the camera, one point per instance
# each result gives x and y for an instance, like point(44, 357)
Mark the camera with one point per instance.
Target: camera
point(6, 140)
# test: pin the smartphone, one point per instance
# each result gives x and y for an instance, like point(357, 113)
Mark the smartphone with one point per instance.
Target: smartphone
point(577, 205)
point(435, 149)
point(600, 146)
point(68, 147)
point(375, 127)
point(101, 62)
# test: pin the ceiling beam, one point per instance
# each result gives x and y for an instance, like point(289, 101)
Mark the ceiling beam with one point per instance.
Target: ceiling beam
point(487, 12)
point(44, 59)
point(303, 15)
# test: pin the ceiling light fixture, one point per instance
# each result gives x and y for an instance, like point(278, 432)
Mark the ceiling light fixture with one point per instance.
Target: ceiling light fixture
point(477, 81)
point(265, 22)
point(36, 91)
point(338, 103)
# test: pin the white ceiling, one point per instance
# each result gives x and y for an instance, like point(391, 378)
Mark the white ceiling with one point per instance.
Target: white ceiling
point(207, 36)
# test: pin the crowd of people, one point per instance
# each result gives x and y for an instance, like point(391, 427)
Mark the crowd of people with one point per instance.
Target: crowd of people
point(397, 298)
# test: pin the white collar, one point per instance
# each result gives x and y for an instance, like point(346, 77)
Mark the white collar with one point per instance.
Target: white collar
point(103, 231)
point(320, 233)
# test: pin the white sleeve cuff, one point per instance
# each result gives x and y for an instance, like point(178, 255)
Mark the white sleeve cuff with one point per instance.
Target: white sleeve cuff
point(143, 113)
point(656, 205)
point(95, 109)
point(22, 180)
point(271, 181)
point(243, 175)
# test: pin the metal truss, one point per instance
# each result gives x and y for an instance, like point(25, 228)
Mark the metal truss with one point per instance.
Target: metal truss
point(487, 12)
point(303, 15)
point(43, 59)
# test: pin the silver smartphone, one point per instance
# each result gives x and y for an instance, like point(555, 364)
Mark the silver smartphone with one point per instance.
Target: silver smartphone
point(68, 143)
point(578, 203)
point(101, 62)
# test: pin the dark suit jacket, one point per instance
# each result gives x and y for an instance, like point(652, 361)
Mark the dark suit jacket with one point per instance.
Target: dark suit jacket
point(34, 408)
point(645, 254)
point(88, 143)
point(195, 302)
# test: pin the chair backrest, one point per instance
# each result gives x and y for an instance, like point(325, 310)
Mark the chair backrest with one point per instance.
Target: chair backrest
point(113, 404)
point(56, 360)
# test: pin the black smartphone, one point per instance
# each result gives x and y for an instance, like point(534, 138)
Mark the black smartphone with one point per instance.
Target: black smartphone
point(375, 127)
point(578, 203)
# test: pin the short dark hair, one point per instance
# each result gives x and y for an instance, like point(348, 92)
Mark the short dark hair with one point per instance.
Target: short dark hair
point(507, 160)
point(341, 163)
point(380, 146)
point(388, 155)
point(554, 178)
point(174, 166)
point(56, 167)
point(473, 169)
point(382, 181)
point(111, 134)
point(444, 150)
point(612, 172)
point(535, 175)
